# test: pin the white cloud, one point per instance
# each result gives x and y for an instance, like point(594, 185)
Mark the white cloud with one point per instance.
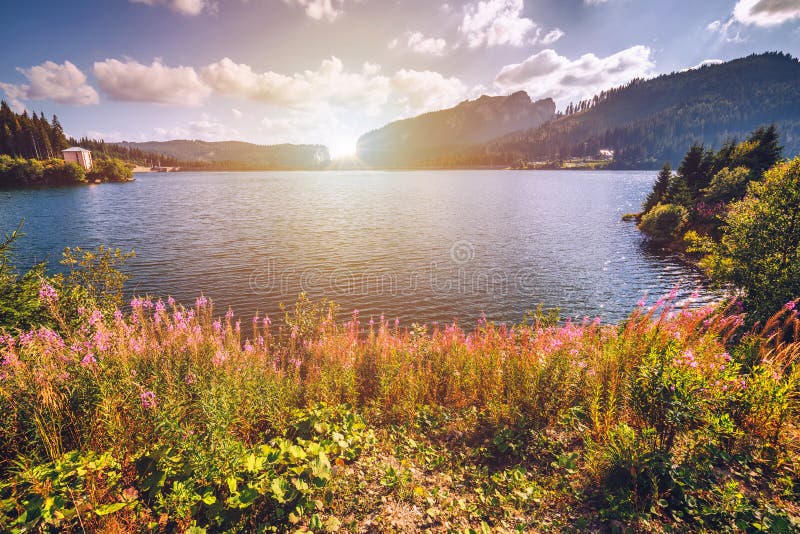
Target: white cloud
point(420, 91)
point(236, 113)
point(766, 12)
point(328, 85)
point(552, 36)
point(727, 31)
point(65, 84)
point(706, 63)
point(594, 2)
point(495, 22)
point(548, 74)
point(132, 81)
point(320, 9)
point(184, 7)
point(418, 43)
point(205, 128)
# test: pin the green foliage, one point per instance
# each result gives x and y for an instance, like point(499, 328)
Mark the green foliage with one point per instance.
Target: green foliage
point(110, 170)
point(728, 185)
point(659, 192)
point(760, 247)
point(664, 222)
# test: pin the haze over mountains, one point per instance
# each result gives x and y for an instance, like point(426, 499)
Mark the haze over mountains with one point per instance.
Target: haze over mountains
point(256, 156)
point(645, 123)
point(420, 140)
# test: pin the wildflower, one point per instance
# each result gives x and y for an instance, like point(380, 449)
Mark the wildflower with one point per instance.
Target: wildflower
point(47, 293)
point(789, 306)
point(238, 326)
point(191, 378)
point(148, 400)
point(117, 315)
point(136, 303)
point(201, 301)
point(171, 301)
point(88, 360)
point(217, 326)
point(160, 306)
point(229, 314)
point(96, 317)
point(219, 358)
point(267, 321)
point(396, 322)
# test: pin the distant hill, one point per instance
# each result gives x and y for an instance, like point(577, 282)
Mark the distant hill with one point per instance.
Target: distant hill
point(252, 155)
point(419, 140)
point(650, 121)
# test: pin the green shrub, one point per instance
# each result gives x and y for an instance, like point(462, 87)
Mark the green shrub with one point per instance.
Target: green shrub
point(727, 185)
point(110, 170)
point(664, 222)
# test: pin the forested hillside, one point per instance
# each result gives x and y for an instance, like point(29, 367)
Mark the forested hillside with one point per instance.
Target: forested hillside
point(207, 153)
point(432, 136)
point(651, 121)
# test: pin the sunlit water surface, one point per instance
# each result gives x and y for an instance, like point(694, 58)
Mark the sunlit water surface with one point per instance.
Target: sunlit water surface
point(420, 246)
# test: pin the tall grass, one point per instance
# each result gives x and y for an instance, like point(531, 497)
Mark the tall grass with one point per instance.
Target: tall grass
point(660, 389)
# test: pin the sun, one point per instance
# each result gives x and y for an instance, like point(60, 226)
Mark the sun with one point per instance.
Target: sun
point(343, 148)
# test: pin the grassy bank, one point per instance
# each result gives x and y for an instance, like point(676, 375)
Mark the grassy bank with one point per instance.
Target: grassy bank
point(166, 418)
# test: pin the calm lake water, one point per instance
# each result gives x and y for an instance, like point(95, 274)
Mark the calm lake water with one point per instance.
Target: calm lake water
point(421, 246)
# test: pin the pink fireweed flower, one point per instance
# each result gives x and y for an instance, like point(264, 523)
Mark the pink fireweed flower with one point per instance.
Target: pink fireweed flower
point(136, 303)
point(248, 347)
point(267, 321)
point(229, 314)
point(396, 322)
point(219, 358)
point(201, 301)
point(217, 326)
point(96, 317)
point(296, 362)
point(148, 400)
point(117, 315)
point(191, 378)
point(371, 322)
point(789, 306)
point(238, 327)
point(47, 293)
point(171, 301)
point(294, 332)
point(160, 307)
point(88, 360)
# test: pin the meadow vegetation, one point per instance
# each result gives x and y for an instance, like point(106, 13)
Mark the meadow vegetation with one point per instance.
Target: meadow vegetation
point(152, 416)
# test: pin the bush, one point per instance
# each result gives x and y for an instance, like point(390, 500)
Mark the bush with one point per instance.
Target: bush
point(760, 247)
point(111, 170)
point(664, 222)
point(727, 185)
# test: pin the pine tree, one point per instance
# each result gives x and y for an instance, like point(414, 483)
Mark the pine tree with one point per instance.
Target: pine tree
point(57, 138)
point(659, 192)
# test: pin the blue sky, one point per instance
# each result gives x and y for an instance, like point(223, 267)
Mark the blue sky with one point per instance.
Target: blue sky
point(325, 71)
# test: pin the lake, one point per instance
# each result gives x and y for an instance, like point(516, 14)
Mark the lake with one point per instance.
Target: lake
point(421, 246)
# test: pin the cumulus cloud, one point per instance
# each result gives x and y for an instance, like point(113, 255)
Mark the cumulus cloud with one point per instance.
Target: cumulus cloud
point(495, 22)
point(132, 81)
point(418, 43)
point(546, 73)
point(594, 2)
point(320, 9)
point(184, 7)
point(420, 91)
point(236, 113)
point(64, 83)
point(766, 12)
point(331, 84)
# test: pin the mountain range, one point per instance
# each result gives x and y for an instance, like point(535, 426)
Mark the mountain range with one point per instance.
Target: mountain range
point(420, 140)
point(285, 156)
point(644, 123)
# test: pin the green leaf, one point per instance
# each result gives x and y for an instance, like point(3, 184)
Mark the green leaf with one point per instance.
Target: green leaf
point(109, 508)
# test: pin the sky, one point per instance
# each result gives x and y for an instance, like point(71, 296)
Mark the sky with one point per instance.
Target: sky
point(327, 71)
